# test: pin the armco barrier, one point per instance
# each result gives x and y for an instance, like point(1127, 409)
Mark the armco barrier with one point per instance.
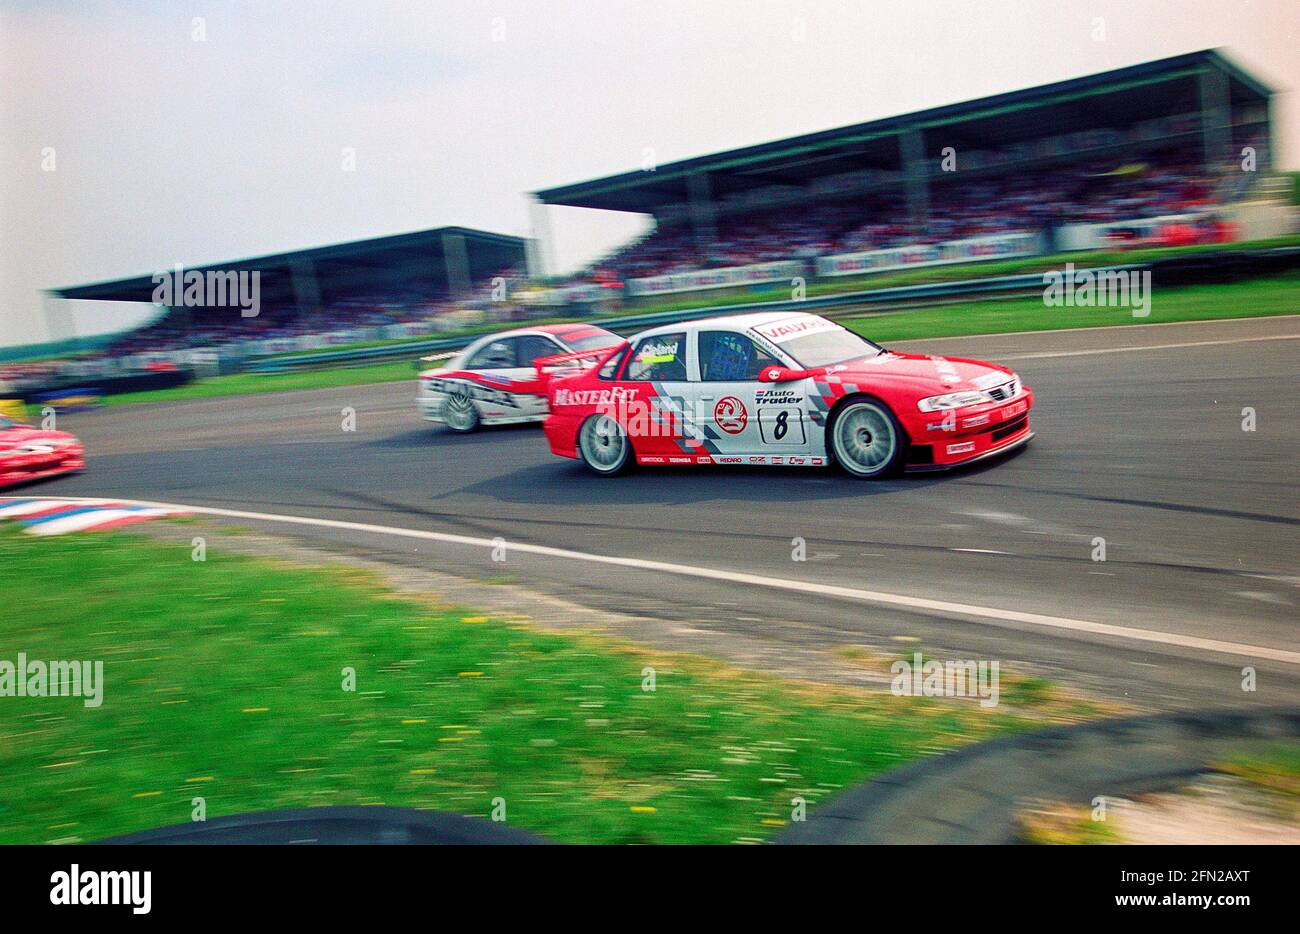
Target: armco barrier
point(1184, 269)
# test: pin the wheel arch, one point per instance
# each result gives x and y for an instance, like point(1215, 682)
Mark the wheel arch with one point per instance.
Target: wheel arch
point(863, 396)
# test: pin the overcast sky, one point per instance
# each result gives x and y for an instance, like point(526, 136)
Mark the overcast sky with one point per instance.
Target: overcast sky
point(172, 150)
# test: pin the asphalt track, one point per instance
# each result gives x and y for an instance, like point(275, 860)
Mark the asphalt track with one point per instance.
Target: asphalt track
point(1140, 442)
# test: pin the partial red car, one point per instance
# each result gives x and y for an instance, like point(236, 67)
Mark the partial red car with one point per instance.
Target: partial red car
point(28, 453)
point(781, 389)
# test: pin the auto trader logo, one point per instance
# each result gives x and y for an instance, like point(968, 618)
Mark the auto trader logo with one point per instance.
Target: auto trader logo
point(730, 415)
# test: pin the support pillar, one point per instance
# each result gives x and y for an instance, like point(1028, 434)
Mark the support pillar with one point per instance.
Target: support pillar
point(916, 180)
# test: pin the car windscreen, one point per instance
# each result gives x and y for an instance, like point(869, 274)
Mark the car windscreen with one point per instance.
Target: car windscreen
point(7, 423)
point(591, 339)
point(828, 346)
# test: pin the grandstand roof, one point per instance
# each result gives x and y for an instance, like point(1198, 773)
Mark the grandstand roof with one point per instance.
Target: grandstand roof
point(1133, 94)
point(410, 265)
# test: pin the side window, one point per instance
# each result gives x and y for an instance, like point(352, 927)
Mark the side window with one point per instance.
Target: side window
point(726, 355)
point(532, 346)
point(497, 355)
point(660, 357)
point(610, 367)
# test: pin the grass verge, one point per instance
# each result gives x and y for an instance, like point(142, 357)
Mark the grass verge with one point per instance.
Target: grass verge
point(242, 384)
point(1274, 296)
point(1275, 769)
point(224, 679)
point(1249, 299)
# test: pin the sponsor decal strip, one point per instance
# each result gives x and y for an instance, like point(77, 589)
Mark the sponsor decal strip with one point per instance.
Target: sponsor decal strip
point(943, 608)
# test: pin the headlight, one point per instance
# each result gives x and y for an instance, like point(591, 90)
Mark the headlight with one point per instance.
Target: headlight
point(952, 400)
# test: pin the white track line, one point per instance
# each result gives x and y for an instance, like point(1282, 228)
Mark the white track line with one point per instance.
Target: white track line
point(1138, 348)
point(921, 604)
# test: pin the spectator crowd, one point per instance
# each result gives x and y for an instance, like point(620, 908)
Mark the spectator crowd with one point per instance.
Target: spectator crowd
point(1091, 192)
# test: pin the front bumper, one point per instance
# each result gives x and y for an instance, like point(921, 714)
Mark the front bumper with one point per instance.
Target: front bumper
point(39, 466)
point(973, 435)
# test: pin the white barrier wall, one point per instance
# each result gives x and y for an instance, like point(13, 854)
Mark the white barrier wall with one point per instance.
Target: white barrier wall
point(999, 246)
point(726, 277)
point(584, 294)
point(1096, 236)
point(1258, 220)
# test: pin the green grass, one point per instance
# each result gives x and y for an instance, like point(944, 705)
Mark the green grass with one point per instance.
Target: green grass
point(1276, 768)
point(1256, 297)
point(242, 384)
point(1271, 296)
point(223, 680)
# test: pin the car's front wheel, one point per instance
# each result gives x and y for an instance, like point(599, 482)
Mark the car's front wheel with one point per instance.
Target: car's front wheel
point(867, 440)
point(459, 413)
point(604, 446)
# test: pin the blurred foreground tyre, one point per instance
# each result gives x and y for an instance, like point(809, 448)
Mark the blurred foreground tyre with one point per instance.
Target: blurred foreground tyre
point(335, 826)
point(459, 413)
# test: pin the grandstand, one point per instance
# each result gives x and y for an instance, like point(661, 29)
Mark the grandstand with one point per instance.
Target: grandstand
point(341, 292)
point(1072, 163)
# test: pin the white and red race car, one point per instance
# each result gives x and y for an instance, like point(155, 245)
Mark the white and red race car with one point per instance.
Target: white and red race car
point(784, 389)
point(490, 381)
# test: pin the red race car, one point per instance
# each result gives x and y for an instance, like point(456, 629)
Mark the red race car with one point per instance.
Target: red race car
point(781, 389)
point(28, 453)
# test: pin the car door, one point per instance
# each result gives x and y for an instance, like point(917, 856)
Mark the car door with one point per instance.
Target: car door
point(756, 422)
point(496, 364)
point(655, 411)
point(530, 347)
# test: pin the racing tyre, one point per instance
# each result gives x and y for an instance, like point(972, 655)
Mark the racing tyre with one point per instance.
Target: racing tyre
point(866, 440)
point(459, 413)
point(604, 446)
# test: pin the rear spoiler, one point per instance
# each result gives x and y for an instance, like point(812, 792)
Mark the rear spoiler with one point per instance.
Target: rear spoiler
point(548, 368)
point(541, 364)
point(439, 356)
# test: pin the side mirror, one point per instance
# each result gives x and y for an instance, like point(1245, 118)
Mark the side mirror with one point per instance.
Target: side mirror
point(783, 374)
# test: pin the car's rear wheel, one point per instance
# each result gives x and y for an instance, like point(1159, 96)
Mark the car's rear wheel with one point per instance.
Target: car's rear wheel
point(867, 440)
point(604, 446)
point(459, 413)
